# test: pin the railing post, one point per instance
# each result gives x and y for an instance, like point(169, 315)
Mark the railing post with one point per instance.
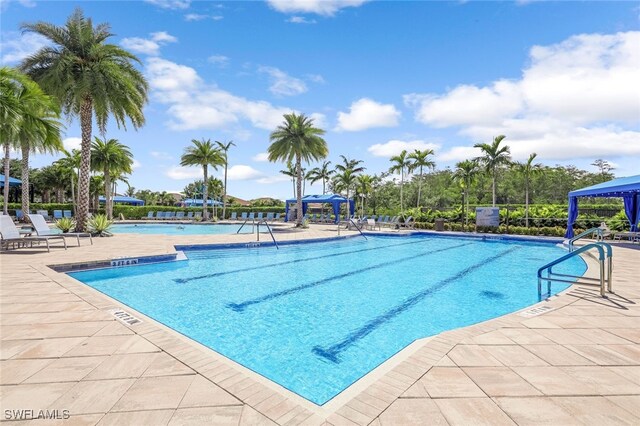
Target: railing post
point(601, 261)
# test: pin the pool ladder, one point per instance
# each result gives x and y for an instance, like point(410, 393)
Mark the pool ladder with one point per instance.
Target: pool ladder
point(597, 231)
point(605, 261)
point(257, 224)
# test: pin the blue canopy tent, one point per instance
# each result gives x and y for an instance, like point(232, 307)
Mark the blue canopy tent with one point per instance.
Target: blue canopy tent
point(194, 202)
point(334, 199)
point(627, 187)
point(12, 181)
point(123, 200)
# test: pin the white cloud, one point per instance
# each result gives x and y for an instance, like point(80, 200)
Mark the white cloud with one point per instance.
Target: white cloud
point(146, 46)
point(283, 84)
point(366, 114)
point(218, 60)
point(395, 147)
point(315, 78)
point(159, 155)
point(195, 17)
point(261, 157)
point(217, 17)
point(16, 46)
point(180, 173)
point(242, 172)
point(193, 104)
point(459, 153)
point(575, 99)
point(301, 20)
point(170, 4)
point(268, 180)
point(319, 120)
point(4, 4)
point(72, 143)
point(136, 164)
point(320, 7)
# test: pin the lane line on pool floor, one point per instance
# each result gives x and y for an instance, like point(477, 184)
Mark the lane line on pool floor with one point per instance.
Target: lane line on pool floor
point(332, 352)
point(289, 262)
point(239, 307)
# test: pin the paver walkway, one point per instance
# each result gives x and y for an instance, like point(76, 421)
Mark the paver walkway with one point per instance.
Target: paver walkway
point(61, 349)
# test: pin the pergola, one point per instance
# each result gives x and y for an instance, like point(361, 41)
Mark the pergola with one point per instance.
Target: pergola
point(12, 181)
point(627, 187)
point(334, 199)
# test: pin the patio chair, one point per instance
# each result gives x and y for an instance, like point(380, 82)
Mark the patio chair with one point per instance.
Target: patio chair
point(66, 213)
point(408, 223)
point(159, 215)
point(631, 236)
point(197, 215)
point(371, 224)
point(43, 230)
point(270, 217)
point(19, 214)
point(276, 218)
point(252, 215)
point(150, 215)
point(179, 215)
point(603, 231)
point(259, 216)
point(170, 215)
point(234, 216)
point(44, 214)
point(394, 222)
point(11, 235)
point(57, 214)
point(190, 215)
point(243, 216)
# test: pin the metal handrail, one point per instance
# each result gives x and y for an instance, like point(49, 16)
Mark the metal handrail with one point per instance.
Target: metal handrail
point(358, 228)
point(605, 253)
point(244, 223)
point(584, 234)
point(264, 221)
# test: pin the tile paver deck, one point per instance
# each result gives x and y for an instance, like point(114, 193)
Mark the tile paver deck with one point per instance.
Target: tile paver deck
point(61, 349)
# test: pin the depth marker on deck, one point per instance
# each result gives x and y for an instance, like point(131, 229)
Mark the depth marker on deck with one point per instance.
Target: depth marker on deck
point(124, 317)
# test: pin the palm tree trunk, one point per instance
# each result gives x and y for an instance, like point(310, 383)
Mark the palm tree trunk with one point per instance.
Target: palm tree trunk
point(526, 202)
point(5, 193)
point(466, 195)
point(107, 191)
point(419, 187)
point(205, 193)
point(299, 191)
point(494, 187)
point(73, 194)
point(323, 187)
point(25, 179)
point(224, 197)
point(401, 187)
point(86, 115)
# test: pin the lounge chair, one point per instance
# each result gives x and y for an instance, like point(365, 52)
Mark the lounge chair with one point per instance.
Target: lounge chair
point(179, 215)
point(259, 216)
point(19, 214)
point(44, 214)
point(57, 214)
point(276, 218)
point(243, 216)
point(631, 236)
point(189, 215)
point(408, 223)
point(394, 222)
point(150, 215)
point(197, 215)
point(159, 215)
point(170, 215)
point(252, 215)
point(603, 231)
point(11, 235)
point(234, 216)
point(270, 217)
point(66, 213)
point(43, 230)
point(371, 223)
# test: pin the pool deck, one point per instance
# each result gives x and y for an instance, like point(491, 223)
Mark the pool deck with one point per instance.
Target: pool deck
point(61, 348)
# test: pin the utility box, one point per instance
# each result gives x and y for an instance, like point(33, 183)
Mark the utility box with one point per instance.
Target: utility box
point(439, 225)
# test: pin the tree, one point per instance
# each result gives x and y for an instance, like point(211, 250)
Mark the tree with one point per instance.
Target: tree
point(204, 154)
point(465, 173)
point(493, 157)
point(91, 79)
point(364, 186)
point(297, 139)
point(322, 173)
point(528, 170)
point(420, 159)
point(344, 181)
point(29, 121)
point(71, 162)
point(224, 148)
point(111, 158)
point(605, 169)
point(290, 171)
point(400, 164)
point(350, 164)
point(131, 191)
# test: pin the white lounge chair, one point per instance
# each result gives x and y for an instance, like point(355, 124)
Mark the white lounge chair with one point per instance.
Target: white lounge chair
point(43, 230)
point(603, 231)
point(11, 235)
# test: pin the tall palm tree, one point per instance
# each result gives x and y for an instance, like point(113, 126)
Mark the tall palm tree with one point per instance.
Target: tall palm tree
point(297, 139)
point(111, 158)
point(350, 164)
point(420, 159)
point(30, 121)
point(322, 173)
point(91, 79)
point(344, 181)
point(203, 153)
point(400, 163)
point(465, 173)
point(493, 157)
point(290, 171)
point(364, 186)
point(528, 170)
point(131, 191)
point(224, 148)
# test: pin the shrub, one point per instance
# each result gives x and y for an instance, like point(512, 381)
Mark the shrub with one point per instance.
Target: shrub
point(99, 225)
point(65, 224)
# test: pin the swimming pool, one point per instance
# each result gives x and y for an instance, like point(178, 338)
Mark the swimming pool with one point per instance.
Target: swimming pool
point(178, 229)
point(316, 317)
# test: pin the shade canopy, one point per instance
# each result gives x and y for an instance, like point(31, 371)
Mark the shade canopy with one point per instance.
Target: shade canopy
point(118, 199)
point(12, 181)
point(334, 199)
point(626, 187)
point(194, 202)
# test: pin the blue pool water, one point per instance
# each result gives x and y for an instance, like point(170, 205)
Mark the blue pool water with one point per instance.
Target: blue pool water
point(178, 229)
point(316, 317)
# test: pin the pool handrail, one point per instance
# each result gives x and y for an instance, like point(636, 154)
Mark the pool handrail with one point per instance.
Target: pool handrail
point(589, 231)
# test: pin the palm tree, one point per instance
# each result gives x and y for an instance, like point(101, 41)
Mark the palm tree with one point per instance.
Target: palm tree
point(297, 139)
point(322, 173)
point(528, 170)
point(364, 186)
point(30, 121)
point(494, 156)
point(290, 171)
point(131, 191)
point(420, 160)
point(91, 79)
point(465, 173)
point(350, 164)
point(400, 164)
point(224, 148)
point(344, 182)
point(111, 158)
point(71, 162)
point(203, 153)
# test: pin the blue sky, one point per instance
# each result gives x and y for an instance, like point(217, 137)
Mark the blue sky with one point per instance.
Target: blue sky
point(559, 79)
